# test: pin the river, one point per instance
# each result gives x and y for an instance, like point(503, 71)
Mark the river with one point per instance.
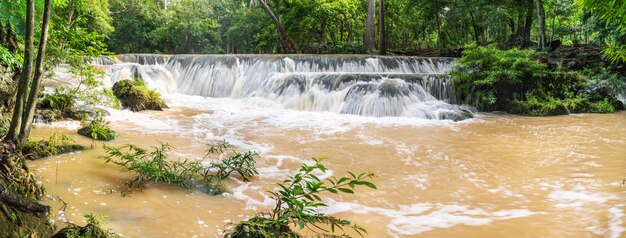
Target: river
point(494, 175)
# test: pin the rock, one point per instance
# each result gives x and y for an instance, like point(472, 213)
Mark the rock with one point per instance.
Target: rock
point(89, 230)
point(105, 134)
point(260, 227)
point(135, 96)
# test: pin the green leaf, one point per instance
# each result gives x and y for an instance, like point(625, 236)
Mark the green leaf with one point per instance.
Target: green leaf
point(345, 190)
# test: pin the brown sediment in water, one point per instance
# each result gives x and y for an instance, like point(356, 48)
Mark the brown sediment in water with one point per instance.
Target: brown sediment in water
point(495, 176)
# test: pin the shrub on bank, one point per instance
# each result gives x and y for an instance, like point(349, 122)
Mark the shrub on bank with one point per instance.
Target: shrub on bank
point(513, 81)
point(135, 96)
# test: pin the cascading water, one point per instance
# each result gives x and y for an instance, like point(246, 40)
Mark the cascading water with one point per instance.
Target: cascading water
point(359, 85)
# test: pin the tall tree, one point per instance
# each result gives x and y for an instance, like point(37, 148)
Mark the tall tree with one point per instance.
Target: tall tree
point(28, 86)
point(29, 108)
point(288, 44)
point(541, 25)
point(27, 71)
point(368, 39)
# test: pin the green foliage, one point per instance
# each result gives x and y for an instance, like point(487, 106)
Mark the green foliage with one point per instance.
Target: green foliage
point(297, 203)
point(486, 77)
point(154, 166)
point(97, 128)
point(54, 145)
point(605, 106)
point(615, 52)
point(604, 84)
point(513, 81)
point(9, 61)
point(538, 106)
point(61, 99)
point(135, 96)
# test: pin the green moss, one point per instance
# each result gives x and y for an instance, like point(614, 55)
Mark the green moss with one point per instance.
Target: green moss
point(135, 96)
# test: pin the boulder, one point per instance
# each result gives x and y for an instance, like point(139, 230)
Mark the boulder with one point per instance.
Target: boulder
point(135, 96)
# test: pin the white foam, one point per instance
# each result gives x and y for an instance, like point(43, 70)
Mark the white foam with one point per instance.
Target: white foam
point(422, 217)
point(616, 222)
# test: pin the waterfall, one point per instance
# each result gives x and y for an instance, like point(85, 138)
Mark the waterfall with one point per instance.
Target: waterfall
point(376, 86)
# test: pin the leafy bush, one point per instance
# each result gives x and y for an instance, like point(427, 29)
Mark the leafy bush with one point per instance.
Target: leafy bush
point(510, 80)
point(98, 128)
point(536, 106)
point(486, 77)
point(135, 96)
point(56, 144)
point(297, 202)
point(155, 167)
point(605, 106)
point(61, 99)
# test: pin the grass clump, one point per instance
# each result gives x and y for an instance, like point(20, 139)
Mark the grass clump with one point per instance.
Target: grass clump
point(154, 166)
point(135, 96)
point(93, 229)
point(56, 144)
point(297, 203)
point(97, 128)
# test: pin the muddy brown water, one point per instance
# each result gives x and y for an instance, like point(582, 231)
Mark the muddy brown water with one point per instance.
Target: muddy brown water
point(493, 176)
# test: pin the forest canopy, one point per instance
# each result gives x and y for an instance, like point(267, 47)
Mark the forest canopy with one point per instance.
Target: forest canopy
point(317, 26)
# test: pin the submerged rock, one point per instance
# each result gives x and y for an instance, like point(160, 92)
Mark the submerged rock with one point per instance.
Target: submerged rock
point(135, 96)
point(261, 227)
point(89, 230)
point(34, 150)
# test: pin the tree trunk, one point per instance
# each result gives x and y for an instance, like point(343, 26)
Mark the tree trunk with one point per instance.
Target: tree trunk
point(541, 25)
point(368, 40)
point(282, 33)
point(438, 21)
point(23, 84)
point(382, 32)
point(29, 109)
point(477, 29)
point(529, 23)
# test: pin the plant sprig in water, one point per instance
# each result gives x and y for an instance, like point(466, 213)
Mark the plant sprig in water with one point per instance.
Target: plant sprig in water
point(154, 166)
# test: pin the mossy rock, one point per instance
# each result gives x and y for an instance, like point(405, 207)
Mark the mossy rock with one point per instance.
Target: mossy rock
point(104, 134)
point(88, 231)
point(260, 227)
point(135, 96)
point(34, 150)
